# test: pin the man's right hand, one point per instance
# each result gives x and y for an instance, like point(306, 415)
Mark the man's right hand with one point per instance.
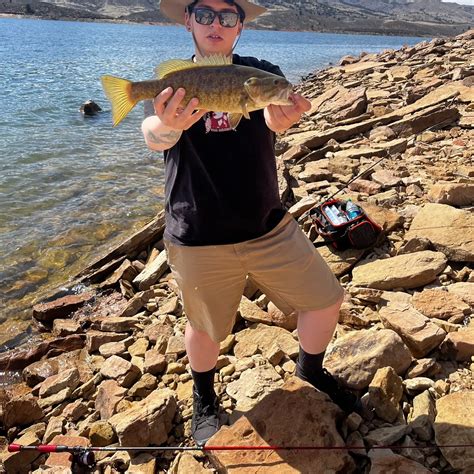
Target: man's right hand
point(163, 130)
point(170, 112)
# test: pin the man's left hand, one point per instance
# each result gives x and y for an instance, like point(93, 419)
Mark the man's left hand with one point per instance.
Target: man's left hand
point(281, 117)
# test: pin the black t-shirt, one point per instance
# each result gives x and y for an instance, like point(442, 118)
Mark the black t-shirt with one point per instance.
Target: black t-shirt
point(221, 187)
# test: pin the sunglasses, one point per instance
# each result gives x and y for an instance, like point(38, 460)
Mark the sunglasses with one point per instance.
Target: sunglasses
point(206, 16)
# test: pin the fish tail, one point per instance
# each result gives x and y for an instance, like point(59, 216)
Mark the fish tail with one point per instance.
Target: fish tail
point(119, 92)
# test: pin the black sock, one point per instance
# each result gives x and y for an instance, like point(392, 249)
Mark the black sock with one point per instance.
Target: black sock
point(309, 365)
point(204, 384)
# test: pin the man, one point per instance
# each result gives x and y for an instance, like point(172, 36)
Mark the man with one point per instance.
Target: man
point(225, 221)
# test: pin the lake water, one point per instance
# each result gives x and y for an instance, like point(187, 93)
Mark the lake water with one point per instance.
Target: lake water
point(70, 186)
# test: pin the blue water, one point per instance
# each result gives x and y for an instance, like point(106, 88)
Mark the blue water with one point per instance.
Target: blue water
point(69, 185)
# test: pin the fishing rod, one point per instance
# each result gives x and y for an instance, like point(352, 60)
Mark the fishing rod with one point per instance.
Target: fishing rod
point(84, 455)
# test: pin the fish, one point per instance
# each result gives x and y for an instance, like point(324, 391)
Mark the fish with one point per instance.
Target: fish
point(218, 84)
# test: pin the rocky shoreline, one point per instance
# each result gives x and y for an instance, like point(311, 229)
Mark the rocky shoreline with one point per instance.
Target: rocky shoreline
point(112, 369)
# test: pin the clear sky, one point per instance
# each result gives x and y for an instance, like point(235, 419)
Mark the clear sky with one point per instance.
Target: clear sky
point(464, 2)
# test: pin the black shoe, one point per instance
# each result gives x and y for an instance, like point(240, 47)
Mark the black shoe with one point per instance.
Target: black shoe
point(205, 422)
point(326, 383)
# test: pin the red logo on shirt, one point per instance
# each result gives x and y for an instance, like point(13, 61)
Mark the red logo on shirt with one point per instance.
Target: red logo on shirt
point(217, 122)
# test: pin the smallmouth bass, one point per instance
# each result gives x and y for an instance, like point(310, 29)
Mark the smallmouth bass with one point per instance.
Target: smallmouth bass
point(219, 85)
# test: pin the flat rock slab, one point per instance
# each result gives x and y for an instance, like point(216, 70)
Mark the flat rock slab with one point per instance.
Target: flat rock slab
point(356, 357)
point(401, 272)
point(61, 307)
point(454, 425)
point(295, 415)
point(447, 228)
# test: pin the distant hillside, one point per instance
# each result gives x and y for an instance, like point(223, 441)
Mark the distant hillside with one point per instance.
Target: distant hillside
point(392, 17)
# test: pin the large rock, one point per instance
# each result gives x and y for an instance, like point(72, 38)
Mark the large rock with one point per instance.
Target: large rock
point(449, 230)
point(295, 415)
point(262, 337)
point(19, 462)
point(147, 422)
point(455, 194)
point(356, 357)
point(253, 385)
point(440, 304)
point(403, 271)
point(454, 425)
point(417, 331)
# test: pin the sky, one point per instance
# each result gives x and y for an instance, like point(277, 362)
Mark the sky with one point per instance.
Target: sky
point(463, 2)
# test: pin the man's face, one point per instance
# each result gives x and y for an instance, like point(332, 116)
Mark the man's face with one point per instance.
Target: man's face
point(214, 38)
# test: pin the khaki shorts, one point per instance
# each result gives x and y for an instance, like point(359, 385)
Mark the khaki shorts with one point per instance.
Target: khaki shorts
point(283, 263)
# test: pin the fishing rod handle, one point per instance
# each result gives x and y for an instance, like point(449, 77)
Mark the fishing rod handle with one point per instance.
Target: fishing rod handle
point(42, 448)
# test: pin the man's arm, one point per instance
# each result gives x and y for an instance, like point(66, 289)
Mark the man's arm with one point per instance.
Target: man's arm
point(281, 117)
point(163, 130)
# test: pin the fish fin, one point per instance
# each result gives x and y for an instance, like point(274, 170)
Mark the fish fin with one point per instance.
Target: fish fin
point(118, 91)
point(214, 60)
point(234, 120)
point(243, 103)
point(173, 65)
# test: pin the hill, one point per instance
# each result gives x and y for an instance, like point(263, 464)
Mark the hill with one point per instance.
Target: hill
point(393, 17)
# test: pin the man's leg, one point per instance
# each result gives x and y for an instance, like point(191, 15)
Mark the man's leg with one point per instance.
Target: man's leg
point(315, 331)
point(202, 353)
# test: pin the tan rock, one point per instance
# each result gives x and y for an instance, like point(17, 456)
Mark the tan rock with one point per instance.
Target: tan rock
point(116, 324)
point(251, 312)
point(454, 194)
point(440, 304)
point(186, 463)
point(21, 410)
point(56, 383)
point(278, 318)
point(356, 357)
point(386, 436)
point(101, 434)
point(109, 394)
point(422, 416)
point(144, 386)
point(139, 347)
point(65, 460)
point(261, 337)
point(384, 461)
point(144, 463)
point(305, 417)
point(146, 422)
point(452, 233)
point(95, 339)
point(454, 425)
point(464, 290)
point(253, 385)
point(62, 307)
point(65, 327)
point(403, 271)
point(155, 363)
point(417, 331)
point(152, 272)
point(459, 345)
point(20, 462)
point(121, 370)
point(176, 345)
point(385, 393)
point(54, 428)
